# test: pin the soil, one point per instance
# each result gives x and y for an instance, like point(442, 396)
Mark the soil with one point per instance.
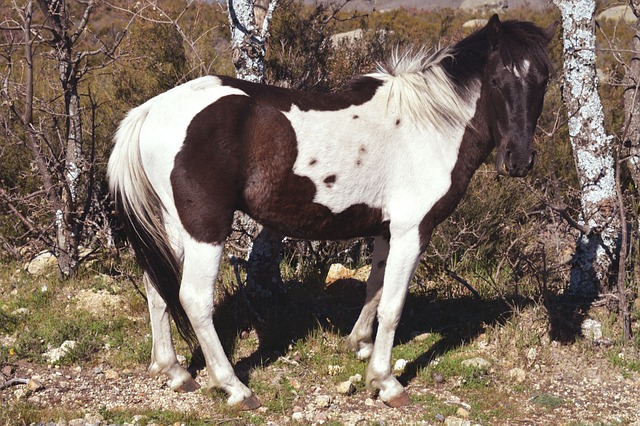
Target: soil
point(559, 384)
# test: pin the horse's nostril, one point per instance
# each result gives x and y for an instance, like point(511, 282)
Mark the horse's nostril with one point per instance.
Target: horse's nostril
point(532, 160)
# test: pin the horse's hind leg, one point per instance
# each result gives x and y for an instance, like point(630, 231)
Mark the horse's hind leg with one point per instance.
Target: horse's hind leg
point(201, 263)
point(360, 340)
point(163, 355)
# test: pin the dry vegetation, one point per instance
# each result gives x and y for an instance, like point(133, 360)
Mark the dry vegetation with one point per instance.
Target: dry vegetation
point(504, 242)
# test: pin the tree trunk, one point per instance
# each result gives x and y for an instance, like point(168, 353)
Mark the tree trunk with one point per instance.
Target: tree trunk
point(249, 36)
point(592, 150)
point(249, 21)
point(631, 131)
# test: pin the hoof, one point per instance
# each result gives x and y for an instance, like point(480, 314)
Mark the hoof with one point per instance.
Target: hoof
point(250, 403)
point(188, 386)
point(401, 400)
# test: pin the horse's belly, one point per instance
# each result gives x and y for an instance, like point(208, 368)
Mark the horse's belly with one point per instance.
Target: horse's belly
point(290, 209)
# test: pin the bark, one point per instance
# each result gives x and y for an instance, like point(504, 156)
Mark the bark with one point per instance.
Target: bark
point(249, 31)
point(68, 225)
point(592, 150)
point(249, 21)
point(631, 132)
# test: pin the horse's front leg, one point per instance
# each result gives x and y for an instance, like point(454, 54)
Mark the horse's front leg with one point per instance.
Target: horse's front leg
point(404, 252)
point(163, 355)
point(360, 340)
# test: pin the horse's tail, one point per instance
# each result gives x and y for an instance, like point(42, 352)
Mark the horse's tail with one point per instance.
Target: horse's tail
point(141, 212)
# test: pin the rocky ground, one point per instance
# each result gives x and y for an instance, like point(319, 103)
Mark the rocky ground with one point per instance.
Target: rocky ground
point(562, 385)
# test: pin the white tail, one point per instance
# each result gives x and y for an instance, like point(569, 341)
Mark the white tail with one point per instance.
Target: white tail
point(141, 212)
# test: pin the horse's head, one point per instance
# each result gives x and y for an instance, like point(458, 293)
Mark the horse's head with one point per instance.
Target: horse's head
point(515, 80)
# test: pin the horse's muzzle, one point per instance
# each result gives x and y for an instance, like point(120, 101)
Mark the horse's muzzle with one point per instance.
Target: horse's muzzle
point(514, 165)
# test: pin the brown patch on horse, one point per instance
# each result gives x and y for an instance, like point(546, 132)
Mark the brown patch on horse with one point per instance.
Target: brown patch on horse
point(359, 91)
point(245, 161)
point(330, 180)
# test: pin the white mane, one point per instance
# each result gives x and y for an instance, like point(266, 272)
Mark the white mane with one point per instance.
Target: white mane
point(419, 88)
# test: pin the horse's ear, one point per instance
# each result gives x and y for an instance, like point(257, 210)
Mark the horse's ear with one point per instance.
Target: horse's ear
point(494, 30)
point(550, 31)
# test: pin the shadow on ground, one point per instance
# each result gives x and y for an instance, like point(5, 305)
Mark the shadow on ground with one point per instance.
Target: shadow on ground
point(296, 310)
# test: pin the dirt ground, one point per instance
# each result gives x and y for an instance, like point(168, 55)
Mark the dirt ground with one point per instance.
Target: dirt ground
point(559, 384)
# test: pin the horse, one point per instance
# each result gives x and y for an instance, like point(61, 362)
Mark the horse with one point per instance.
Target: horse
point(389, 157)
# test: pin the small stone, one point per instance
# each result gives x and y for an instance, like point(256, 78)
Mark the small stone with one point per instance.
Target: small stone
point(93, 419)
point(111, 374)
point(456, 421)
point(440, 418)
point(54, 355)
point(34, 385)
point(369, 402)
point(400, 365)
point(356, 378)
point(297, 416)
point(518, 375)
point(462, 412)
point(478, 362)
point(138, 418)
point(7, 371)
point(421, 337)
point(346, 388)
point(591, 329)
point(323, 401)
point(295, 383)
point(438, 378)
point(532, 354)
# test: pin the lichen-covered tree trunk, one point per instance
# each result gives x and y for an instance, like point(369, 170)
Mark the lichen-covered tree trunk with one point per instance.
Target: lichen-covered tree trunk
point(592, 150)
point(249, 21)
point(631, 131)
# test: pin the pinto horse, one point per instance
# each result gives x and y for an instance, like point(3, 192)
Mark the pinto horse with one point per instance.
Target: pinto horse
point(390, 157)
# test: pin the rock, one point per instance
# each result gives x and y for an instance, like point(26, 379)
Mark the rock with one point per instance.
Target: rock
point(34, 385)
point(111, 374)
point(456, 421)
point(400, 365)
point(518, 375)
point(462, 412)
point(100, 304)
point(369, 402)
point(478, 362)
point(420, 336)
point(323, 401)
point(41, 263)
point(337, 272)
point(356, 378)
point(475, 23)
point(297, 416)
point(54, 355)
point(532, 354)
point(7, 370)
point(347, 37)
point(295, 383)
point(346, 388)
point(437, 377)
point(617, 13)
point(93, 419)
point(591, 329)
point(476, 6)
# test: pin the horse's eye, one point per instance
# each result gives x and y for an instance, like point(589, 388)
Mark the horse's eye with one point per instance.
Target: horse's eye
point(494, 84)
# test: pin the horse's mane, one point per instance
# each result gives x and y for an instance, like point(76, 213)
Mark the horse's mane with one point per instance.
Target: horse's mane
point(418, 86)
point(437, 87)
